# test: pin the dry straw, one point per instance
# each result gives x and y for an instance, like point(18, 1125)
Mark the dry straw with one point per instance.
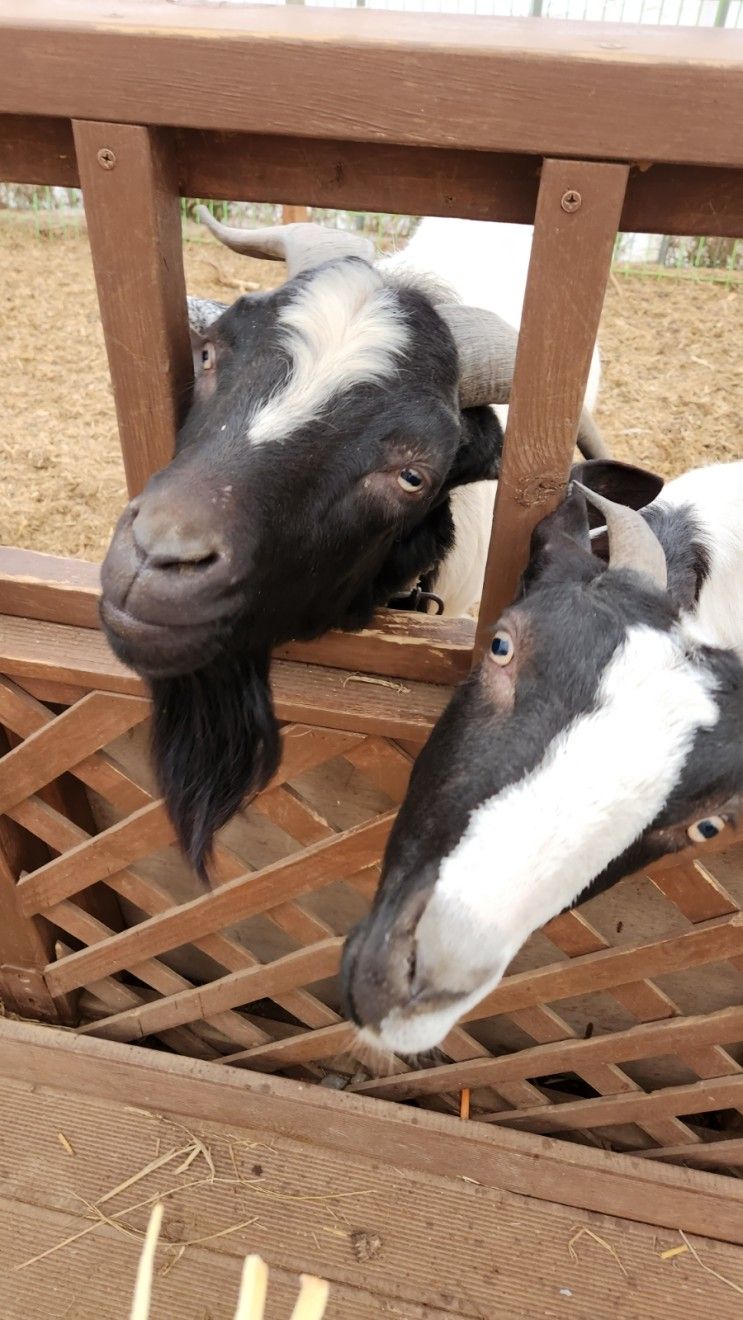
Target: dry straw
point(310, 1304)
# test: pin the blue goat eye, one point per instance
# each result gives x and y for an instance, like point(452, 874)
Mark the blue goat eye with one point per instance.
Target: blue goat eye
point(409, 479)
point(705, 829)
point(501, 647)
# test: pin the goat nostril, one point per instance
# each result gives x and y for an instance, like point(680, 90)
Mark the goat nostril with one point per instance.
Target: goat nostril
point(412, 966)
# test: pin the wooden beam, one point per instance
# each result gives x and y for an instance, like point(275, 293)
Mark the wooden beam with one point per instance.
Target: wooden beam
point(134, 226)
point(578, 1176)
point(650, 1039)
point(248, 895)
point(576, 224)
point(397, 643)
point(369, 176)
point(483, 84)
point(306, 693)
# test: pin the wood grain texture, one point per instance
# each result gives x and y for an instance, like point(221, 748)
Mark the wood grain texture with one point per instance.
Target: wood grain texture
point(665, 94)
point(95, 720)
point(190, 1005)
point(248, 895)
point(722, 1027)
point(397, 644)
point(559, 326)
point(363, 176)
point(134, 227)
point(312, 694)
point(698, 1098)
point(410, 1139)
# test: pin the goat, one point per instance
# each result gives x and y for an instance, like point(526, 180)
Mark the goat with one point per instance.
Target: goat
point(334, 422)
point(604, 729)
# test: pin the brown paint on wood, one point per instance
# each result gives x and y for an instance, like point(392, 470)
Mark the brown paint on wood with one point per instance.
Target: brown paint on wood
point(97, 719)
point(134, 226)
point(304, 693)
point(699, 1098)
point(362, 176)
point(246, 896)
point(142, 833)
point(559, 325)
point(408, 1138)
point(665, 94)
point(398, 644)
point(313, 964)
point(718, 1028)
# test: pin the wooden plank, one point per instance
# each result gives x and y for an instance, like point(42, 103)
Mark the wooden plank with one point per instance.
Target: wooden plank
point(655, 94)
point(80, 730)
point(134, 227)
point(249, 895)
point(418, 1270)
point(708, 942)
point(363, 176)
point(311, 694)
point(559, 326)
point(699, 1098)
point(37, 150)
point(140, 834)
point(398, 643)
point(37, 586)
point(646, 1041)
point(408, 1138)
point(260, 982)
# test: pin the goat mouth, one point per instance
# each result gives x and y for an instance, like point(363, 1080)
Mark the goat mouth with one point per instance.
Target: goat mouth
point(157, 650)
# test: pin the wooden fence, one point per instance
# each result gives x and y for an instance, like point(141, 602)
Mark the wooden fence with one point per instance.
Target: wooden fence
point(619, 1024)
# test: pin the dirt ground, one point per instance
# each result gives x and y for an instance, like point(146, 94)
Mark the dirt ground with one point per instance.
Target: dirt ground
point(671, 396)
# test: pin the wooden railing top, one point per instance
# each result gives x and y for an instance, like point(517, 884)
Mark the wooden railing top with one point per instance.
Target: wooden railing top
point(537, 86)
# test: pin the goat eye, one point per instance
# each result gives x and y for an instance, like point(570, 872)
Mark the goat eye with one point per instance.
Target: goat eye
point(501, 648)
point(208, 357)
point(705, 829)
point(410, 480)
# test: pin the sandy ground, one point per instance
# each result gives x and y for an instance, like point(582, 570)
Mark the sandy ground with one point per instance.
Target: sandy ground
point(672, 390)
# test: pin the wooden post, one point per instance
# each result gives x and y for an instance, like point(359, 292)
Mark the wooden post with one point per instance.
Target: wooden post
point(133, 215)
point(577, 217)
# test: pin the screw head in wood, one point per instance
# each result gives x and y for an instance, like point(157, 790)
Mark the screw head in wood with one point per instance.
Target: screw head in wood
point(571, 200)
point(106, 158)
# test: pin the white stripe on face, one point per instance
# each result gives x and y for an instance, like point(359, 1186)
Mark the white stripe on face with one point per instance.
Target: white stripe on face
point(532, 849)
point(344, 328)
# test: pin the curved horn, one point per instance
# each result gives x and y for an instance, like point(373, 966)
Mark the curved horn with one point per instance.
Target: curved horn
point(301, 246)
point(487, 355)
point(632, 542)
point(203, 312)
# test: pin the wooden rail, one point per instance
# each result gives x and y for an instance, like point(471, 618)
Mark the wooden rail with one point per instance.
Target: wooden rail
point(489, 119)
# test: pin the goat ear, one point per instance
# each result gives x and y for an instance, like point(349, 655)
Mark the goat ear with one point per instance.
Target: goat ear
point(561, 544)
point(478, 457)
point(621, 482)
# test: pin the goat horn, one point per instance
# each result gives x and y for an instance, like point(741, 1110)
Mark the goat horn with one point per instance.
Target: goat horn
point(632, 542)
point(202, 312)
point(487, 355)
point(301, 246)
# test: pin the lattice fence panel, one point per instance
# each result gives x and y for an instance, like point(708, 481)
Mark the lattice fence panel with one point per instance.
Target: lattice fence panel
point(619, 1024)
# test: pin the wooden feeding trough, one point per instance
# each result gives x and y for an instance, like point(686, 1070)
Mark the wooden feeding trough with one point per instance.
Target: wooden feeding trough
point(619, 1027)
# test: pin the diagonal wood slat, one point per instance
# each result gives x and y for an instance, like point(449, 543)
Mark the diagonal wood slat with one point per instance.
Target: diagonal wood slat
point(91, 723)
point(247, 896)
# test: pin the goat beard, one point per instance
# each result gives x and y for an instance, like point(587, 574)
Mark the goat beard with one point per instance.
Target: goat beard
point(215, 742)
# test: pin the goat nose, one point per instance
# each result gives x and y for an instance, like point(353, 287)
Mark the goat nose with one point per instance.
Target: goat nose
point(170, 535)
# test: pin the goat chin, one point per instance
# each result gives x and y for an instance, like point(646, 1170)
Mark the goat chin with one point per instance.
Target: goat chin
point(215, 741)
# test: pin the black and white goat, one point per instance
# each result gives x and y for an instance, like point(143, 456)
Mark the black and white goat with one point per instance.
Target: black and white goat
point(603, 730)
point(318, 474)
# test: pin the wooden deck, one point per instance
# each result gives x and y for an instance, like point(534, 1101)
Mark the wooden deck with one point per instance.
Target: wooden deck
point(393, 1239)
